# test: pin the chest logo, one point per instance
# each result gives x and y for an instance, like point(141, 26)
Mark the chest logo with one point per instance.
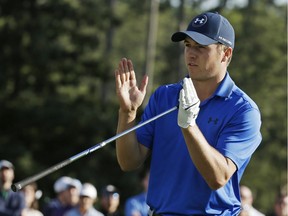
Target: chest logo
point(211, 120)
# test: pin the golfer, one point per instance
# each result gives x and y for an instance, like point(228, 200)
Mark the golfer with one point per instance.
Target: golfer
point(199, 152)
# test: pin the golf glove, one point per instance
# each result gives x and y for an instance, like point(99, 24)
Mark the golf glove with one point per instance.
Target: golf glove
point(188, 104)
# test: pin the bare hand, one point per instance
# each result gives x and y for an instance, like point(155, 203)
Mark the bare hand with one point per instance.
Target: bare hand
point(129, 95)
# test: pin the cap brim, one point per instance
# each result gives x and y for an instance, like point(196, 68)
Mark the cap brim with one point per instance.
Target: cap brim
point(7, 167)
point(88, 195)
point(199, 38)
point(75, 185)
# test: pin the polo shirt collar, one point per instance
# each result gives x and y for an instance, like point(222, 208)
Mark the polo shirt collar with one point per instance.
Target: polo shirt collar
point(225, 87)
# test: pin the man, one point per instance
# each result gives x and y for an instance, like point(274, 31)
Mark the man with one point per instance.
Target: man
point(247, 202)
point(136, 205)
point(11, 203)
point(31, 194)
point(88, 196)
point(67, 190)
point(109, 201)
point(280, 203)
point(199, 153)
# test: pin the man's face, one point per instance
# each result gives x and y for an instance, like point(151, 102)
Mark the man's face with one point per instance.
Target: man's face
point(6, 175)
point(86, 202)
point(110, 202)
point(70, 196)
point(29, 193)
point(203, 62)
point(281, 206)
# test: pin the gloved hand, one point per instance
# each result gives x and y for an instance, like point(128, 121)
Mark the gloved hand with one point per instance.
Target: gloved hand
point(188, 104)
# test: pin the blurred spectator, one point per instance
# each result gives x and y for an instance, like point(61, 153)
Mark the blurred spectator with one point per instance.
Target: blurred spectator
point(31, 195)
point(11, 203)
point(247, 202)
point(67, 190)
point(280, 204)
point(136, 205)
point(88, 196)
point(109, 201)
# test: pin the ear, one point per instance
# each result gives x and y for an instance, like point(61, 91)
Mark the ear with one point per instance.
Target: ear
point(227, 54)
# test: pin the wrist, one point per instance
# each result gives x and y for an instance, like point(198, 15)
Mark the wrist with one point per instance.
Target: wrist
point(129, 115)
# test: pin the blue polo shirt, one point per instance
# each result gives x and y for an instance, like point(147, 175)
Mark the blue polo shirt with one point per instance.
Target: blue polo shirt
point(137, 204)
point(230, 122)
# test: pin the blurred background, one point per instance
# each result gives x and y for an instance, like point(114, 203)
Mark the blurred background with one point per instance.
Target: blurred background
point(57, 93)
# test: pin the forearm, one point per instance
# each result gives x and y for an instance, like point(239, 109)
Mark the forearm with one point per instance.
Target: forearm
point(129, 152)
point(213, 166)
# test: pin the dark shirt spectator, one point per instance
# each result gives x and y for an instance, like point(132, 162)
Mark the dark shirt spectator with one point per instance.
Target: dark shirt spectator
point(109, 201)
point(11, 203)
point(67, 190)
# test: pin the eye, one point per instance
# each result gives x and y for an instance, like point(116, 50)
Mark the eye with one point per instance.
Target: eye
point(201, 46)
point(187, 44)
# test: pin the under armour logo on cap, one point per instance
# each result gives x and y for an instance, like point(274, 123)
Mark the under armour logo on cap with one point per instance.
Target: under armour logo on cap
point(199, 21)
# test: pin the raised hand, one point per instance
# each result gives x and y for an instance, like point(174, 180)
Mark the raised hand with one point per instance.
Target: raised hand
point(130, 96)
point(188, 104)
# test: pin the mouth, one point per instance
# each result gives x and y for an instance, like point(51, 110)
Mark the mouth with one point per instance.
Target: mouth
point(192, 64)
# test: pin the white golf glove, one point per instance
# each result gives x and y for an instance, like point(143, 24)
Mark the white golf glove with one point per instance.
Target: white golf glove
point(188, 104)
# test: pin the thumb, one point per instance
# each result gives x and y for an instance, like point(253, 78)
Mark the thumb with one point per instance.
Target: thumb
point(144, 84)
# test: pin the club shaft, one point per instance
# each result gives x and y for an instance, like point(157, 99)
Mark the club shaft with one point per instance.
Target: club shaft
point(19, 185)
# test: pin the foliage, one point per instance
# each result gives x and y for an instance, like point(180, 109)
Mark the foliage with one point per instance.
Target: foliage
point(57, 93)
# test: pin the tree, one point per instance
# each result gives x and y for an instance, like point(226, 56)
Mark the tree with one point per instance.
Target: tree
point(57, 94)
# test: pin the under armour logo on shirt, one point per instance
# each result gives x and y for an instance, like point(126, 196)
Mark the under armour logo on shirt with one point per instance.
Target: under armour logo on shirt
point(215, 121)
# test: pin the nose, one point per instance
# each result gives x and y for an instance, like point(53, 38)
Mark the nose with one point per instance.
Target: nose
point(191, 52)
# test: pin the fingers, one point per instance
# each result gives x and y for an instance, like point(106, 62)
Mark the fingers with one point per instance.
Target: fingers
point(192, 88)
point(126, 70)
point(182, 98)
point(188, 104)
point(131, 69)
point(121, 69)
point(117, 79)
point(189, 93)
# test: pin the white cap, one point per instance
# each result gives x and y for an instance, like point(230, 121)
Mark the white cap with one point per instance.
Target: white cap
point(88, 190)
point(6, 164)
point(66, 182)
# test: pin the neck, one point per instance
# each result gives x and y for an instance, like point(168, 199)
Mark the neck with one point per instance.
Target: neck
point(6, 185)
point(206, 88)
point(82, 210)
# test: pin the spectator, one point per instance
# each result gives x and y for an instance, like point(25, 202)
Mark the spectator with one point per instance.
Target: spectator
point(247, 202)
point(88, 196)
point(31, 199)
point(136, 205)
point(280, 204)
point(11, 203)
point(67, 190)
point(109, 201)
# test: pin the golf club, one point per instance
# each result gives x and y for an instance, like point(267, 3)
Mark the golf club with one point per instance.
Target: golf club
point(19, 185)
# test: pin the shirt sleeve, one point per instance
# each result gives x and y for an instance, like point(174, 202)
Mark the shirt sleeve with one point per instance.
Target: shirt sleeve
point(241, 136)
